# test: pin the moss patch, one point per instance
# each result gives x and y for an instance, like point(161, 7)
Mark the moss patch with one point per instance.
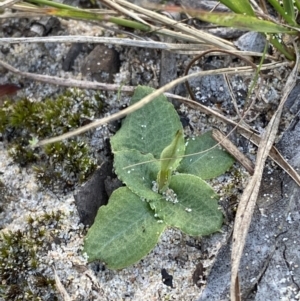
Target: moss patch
point(57, 165)
point(20, 276)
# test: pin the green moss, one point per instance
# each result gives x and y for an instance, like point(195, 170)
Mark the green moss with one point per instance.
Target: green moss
point(61, 164)
point(20, 277)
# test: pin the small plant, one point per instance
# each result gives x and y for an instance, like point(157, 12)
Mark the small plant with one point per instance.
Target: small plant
point(163, 188)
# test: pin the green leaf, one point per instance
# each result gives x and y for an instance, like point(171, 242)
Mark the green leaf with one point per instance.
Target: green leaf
point(149, 129)
point(206, 165)
point(286, 12)
point(239, 6)
point(288, 6)
point(297, 4)
point(196, 212)
point(170, 159)
point(242, 22)
point(139, 177)
point(288, 52)
point(124, 231)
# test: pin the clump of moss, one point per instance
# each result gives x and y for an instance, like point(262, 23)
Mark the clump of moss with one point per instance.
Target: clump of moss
point(20, 276)
point(63, 163)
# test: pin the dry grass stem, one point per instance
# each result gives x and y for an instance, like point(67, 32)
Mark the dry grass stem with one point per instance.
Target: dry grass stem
point(24, 10)
point(187, 36)
point(28, 7)
point(179, 48)
point(233, 99)
point(201, 35)
point(55, 80)
point(68, 82)
point(248, 199)
point(8, 15)
point(101, 40)
point(124, 11)
point(8, 3)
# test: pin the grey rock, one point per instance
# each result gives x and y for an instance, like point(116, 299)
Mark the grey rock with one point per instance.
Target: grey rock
point(102, 63)
point(93, 194)
point(251, 41)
